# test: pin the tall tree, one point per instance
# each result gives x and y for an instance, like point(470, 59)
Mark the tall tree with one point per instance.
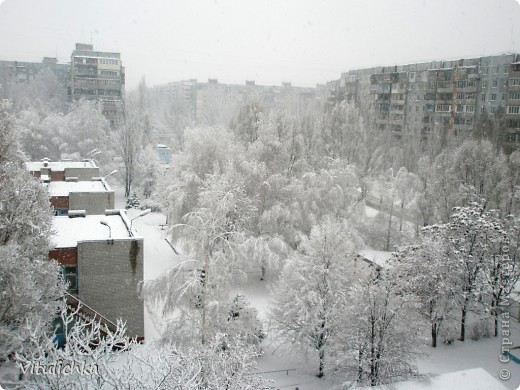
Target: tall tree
point(380, 335)
point(30, 283)
point(313, 287)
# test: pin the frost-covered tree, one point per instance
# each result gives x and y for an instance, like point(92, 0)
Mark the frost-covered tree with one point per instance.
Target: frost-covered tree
point(72, 134)
point(313, 287)
point(379, 336)
point(245, 125)
point(90, 351)
point(501, 269)
point(425, 272)
point(406, 187)
point(127, 138)
point(200, 286)
point(473, 237)
point(29, 282)
point(224, 363)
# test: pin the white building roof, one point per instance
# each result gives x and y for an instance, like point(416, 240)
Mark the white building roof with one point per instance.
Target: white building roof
point(70, 231)
point(59, 165)
point(64, 188)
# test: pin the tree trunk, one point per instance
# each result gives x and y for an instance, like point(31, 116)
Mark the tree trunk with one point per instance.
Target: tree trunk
point(387, 246)
point(360, 365)
point(434, 334)
point(463, 321)
point(322, 363)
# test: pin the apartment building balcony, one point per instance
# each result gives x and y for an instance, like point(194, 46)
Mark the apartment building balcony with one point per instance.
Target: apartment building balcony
point(445, 89)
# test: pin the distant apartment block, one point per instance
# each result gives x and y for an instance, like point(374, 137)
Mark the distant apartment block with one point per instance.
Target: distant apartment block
point(203, 99)
point(98, 75)
point(429, 96)
point(102, 261)
point(94, 197)
point(47, 170)
point(20, 71)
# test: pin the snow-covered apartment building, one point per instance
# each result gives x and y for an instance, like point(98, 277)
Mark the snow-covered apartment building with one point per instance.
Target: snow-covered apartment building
point(98, 75)
point(429, 96)
point(94, 197)
point(101, 257)
point(47, 170)
point(102, 261)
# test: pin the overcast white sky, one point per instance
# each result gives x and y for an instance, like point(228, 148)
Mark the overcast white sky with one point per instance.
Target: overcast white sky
point(270, 41)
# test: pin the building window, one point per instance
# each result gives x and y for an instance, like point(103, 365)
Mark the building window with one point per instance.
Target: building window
point(70, 275)
point(493, 109)
point(483, 97)
point(495, 83)
point(443, 108)
point(470, 108)
point(513, 109)
point(61, 212)
point(514, 81)
point(493, 97)
point(513, 123)
point(514, 95)
point(485, 70)
point(484, 84)
point(514, 137)
point(503, 96)
point(482, 110)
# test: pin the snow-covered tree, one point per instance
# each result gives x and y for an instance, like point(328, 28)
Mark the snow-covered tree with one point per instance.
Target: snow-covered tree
point(425, 272)
point(200, 286)
point(127, 138)
point(90, 351)
point(29, 282)
point(223, 363)
point(473, 237)
point(379, 337)
point(313, 287)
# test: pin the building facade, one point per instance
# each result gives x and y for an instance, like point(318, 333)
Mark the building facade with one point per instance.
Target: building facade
point(47, 170)
point(454, 95)
point(102, 261)
point(21, 71)
point(98, 75)
point(94, 197)
point(205, 100)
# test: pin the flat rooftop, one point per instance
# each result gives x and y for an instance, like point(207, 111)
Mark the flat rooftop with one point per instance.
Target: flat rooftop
point(59, 165)
point(64, 188)
point(70, 231)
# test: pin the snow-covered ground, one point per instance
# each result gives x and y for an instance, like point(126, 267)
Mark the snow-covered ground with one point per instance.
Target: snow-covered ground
point(289, 368)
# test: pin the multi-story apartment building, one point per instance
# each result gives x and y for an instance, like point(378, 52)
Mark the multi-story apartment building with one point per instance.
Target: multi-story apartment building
point(206, 99)
point(20, 71)
point(453, 95)
point(98, 75)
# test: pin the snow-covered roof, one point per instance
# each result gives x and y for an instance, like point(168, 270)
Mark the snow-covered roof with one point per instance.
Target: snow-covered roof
point(472, 379)
point(70, 231)
point(59, 165)
point(377, 257)
point(162, 146)
point(64, 188)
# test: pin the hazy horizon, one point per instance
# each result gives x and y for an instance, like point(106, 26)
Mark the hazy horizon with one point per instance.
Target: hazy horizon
point(303, 42)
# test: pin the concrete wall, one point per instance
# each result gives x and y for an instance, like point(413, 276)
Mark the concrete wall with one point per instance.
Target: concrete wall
point(92, 202)
point(83, 174)
point(108, 276)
